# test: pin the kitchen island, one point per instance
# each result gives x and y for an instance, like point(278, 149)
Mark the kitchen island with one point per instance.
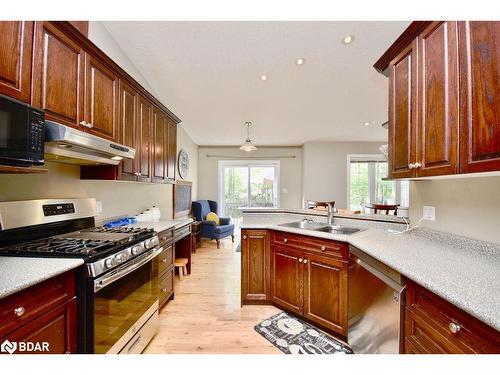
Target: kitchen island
point(451, 267)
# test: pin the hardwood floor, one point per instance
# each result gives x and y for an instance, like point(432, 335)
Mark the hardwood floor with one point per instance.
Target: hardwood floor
point(206, 316)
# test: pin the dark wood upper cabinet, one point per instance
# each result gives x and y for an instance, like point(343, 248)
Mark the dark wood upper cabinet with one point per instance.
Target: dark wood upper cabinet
point(16, 44)
point(171, 149)
point(145, 128)
point(159, 145)
point(479, 46)
point(437, 146)
point(127, 130)
point(403, 112)
point(58, 75)
point(450, 122)
point(101, 99)
point(286, 279)
point(325, 292)
point(255, 266)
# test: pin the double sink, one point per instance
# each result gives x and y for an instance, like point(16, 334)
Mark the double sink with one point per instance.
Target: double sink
point(321, 227)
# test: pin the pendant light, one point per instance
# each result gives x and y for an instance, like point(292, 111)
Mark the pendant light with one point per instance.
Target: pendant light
point(248, 146)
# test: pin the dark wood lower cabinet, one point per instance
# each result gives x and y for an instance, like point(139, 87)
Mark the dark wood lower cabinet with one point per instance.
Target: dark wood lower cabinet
point(286, 279)
point(433, 325)
point(43, 313)
point(325, 292)
point(255, 266)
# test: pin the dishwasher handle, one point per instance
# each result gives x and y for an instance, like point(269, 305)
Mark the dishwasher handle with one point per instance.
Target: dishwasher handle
point(378, 274)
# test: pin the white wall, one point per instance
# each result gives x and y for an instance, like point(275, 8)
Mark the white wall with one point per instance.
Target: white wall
point(185, 142)
point(290, 170)
point(325, 169)
point(465, 206)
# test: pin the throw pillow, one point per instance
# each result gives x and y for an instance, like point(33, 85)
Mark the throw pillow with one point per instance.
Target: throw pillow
point(212, 216)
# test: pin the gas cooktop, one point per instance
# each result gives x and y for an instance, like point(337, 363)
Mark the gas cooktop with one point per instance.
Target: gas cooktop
point(90, 244)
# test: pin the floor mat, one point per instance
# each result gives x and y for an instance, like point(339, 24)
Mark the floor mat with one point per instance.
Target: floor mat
point(294, 336)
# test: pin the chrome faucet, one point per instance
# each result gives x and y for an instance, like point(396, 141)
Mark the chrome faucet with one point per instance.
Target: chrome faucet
point(330, 213)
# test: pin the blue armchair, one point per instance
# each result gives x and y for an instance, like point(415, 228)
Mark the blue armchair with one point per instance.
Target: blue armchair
point(208, 228)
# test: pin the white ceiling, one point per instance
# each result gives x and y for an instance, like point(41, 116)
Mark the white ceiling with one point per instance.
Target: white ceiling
point(208, 74)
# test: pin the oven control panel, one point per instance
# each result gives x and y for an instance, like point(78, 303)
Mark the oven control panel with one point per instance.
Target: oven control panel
point(58, 209)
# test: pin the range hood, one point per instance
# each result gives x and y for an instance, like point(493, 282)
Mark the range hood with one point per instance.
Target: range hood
point(70, 146)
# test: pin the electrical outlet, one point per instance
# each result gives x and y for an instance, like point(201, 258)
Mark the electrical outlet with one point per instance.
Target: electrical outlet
point(429, 213)
point(98, 206)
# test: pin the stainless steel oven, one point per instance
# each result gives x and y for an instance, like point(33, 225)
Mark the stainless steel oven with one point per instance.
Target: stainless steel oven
point(124, 303)
point(22, 133)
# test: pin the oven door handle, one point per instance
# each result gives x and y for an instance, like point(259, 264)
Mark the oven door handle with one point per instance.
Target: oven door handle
point(111, 278)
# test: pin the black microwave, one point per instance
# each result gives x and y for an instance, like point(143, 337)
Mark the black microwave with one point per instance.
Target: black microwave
point(22, 133)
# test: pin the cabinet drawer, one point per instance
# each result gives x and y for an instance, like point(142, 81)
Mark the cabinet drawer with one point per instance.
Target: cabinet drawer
point(305, 243)
point(58, 328)
point(166, 258)
point(166, 286)
point(166, 237)
point(473, 335)
point(26, 305)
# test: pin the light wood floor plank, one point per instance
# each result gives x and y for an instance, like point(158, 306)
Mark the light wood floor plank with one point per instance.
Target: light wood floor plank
point(206, 316)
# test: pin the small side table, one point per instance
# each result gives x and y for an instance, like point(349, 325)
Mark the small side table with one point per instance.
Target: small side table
point(196, 233)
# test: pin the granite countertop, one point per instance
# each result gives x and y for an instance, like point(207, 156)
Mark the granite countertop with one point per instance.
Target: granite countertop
point(463, 271)
point(311, 212)
point(18, 273)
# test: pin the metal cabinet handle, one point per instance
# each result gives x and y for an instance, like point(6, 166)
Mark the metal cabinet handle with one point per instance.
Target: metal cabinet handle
point(417, 165)
point(19, 311)
point(285, 240)
point(305, 261)
point(244, 237)
point(164, 260)
point(411, 166)
point(454, 327)
point(300, 260)
point(83, 123)
point(89, 125)
point(164, 290)
point(323, 248)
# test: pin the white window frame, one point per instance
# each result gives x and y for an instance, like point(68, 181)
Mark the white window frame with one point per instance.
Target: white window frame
point(371, 177)
point(246, 163)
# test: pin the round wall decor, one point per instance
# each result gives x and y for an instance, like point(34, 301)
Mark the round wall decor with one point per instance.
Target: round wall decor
point(183, 164)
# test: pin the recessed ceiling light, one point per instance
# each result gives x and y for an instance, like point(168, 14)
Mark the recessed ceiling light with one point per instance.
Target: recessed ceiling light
point(348, 39)
point(263, 77)
point(300, 61)
point(367, 123)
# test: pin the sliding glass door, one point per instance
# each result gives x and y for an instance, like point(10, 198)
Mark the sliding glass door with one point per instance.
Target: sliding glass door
point(245, 183)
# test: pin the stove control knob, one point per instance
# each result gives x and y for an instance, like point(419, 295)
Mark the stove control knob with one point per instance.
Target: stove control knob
point(110, 262)
point(136, 249)
point(148, 244)
point(120, 258)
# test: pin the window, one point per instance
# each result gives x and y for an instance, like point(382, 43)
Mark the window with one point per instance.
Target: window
point(245, 183)
point(366, 183)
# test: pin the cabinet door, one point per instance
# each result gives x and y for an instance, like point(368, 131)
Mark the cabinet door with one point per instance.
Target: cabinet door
point(437, 146)
point(127, 130)
point(145, 138)
point(101, 99)
point(57, 75)
point(172, 149)
point(286, 279)
point(159, 146)
point(479, 45)
point(255, 258)
point(325, 292)
point(402, 112)
point(16, 43)
point(58, 328)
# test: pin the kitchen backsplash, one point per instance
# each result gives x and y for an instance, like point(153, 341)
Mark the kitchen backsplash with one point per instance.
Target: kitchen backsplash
point(63, 181)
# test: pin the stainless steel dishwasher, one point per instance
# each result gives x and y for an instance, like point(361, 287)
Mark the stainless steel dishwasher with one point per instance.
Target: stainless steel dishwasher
point(375, 305)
